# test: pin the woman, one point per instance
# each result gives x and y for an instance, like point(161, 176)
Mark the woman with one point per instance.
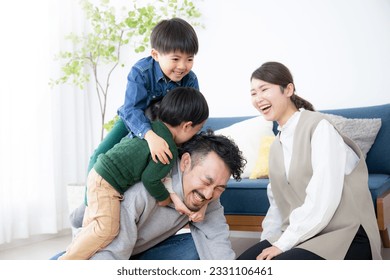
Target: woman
point(320, 204)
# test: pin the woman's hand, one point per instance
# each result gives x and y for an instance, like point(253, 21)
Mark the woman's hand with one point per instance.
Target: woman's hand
point(269, 253)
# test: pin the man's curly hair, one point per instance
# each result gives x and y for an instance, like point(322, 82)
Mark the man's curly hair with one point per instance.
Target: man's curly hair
point(205, 142)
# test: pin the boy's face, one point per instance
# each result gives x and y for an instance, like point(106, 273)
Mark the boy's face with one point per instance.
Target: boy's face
point(174, 65)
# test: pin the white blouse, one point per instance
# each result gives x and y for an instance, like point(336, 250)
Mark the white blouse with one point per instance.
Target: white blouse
point(331, 160)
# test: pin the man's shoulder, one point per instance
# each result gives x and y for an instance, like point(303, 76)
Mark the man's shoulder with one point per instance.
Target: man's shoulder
point(137, 196)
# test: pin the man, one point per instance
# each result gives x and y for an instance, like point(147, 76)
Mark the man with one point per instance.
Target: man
point(199, 178)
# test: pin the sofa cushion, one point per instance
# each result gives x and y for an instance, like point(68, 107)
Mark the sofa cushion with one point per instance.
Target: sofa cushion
point(378, 157)
point(247, 134)
point(247, 197)
point(261, 168)
point(378, 184)
point(362, 131)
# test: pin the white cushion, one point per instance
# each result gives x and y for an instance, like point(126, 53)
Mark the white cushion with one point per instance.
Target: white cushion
point(247, 135)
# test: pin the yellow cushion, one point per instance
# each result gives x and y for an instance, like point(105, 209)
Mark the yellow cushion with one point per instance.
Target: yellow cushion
point(261, 168)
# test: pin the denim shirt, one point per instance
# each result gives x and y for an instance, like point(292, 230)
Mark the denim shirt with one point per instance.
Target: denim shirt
point(145, 83)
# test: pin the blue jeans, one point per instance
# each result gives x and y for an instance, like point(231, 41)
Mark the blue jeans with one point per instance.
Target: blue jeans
point(176, 247)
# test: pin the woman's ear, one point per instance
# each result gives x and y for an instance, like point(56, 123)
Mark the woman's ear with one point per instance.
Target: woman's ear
point(185, 161)
point(289, 90)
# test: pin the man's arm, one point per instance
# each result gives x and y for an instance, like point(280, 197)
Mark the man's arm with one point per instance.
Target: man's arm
point(211, 236)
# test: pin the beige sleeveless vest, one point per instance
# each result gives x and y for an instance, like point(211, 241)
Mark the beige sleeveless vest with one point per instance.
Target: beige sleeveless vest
point(355, 208)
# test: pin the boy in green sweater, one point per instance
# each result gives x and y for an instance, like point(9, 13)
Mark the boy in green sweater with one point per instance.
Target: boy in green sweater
point(181, 115)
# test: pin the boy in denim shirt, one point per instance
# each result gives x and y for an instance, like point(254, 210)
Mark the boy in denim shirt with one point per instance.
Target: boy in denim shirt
point(174, 45)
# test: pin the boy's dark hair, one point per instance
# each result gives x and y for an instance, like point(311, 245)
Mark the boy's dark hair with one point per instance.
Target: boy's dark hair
point(174, 35)
point(183, 104)
point(205, 142)
point(152, 109)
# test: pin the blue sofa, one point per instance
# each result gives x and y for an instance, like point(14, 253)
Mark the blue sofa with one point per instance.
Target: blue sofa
point(246, 202)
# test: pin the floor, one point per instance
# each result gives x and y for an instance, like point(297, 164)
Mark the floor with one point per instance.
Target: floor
point(49, 246)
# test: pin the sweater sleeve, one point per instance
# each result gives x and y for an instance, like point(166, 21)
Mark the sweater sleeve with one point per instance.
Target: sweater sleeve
point(211, 236)
point(152, 179)
point(154, 173)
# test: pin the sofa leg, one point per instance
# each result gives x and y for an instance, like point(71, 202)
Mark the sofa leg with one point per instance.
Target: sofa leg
point(383, 217)
point(385, 238)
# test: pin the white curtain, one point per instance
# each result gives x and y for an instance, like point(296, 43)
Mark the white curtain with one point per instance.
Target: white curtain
point(45, 134)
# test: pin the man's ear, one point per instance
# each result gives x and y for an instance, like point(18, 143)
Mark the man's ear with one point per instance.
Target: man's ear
point(154, 54)
point(185, 161)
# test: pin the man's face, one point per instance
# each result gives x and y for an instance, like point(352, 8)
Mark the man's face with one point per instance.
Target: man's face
point(205, 181)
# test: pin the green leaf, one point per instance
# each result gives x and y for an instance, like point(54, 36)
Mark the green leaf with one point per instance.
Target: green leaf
point(110, 124)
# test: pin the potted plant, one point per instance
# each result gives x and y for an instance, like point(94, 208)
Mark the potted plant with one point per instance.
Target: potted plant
point(97, 53)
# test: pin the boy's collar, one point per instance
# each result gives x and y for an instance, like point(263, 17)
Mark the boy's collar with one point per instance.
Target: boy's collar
point(160, 75)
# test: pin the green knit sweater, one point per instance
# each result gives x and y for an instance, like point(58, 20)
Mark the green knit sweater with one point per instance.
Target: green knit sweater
point(129, 162)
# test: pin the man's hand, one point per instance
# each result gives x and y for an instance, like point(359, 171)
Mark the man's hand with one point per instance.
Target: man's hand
point(269, 253)
point(159, 148)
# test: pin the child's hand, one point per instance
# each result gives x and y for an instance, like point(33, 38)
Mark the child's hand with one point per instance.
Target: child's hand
point(179, 205)
point(198, 216)
point(159, 148)
point(164, 202)
point(183, 210)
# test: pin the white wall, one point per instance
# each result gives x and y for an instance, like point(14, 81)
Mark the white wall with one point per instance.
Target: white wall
point(338, 51)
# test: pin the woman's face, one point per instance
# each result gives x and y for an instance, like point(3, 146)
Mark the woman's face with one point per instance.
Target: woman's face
point(273, 103)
